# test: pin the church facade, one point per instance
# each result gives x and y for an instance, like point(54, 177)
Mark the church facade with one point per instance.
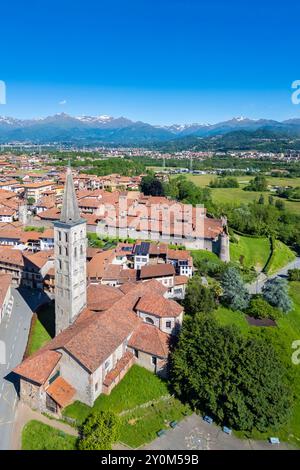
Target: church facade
point(101, 331)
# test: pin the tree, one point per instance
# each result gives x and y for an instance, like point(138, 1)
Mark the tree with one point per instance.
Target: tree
point(240, 381)
point(99, 431)
point(235, 294)
point(261, 199)
point(198, 298)
point(259, 183)
point(30, 201)
point(152, 186)
point(280, 205)
point(271, 200)
point(275, 291)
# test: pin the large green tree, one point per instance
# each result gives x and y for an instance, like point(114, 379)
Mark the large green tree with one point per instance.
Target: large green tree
point(198, 298)
point(152, 186)
point(240, 381)
point(99, 431)
point(235, 294)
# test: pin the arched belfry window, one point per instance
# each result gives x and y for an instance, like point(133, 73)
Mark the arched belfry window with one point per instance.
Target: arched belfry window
point(149, 320)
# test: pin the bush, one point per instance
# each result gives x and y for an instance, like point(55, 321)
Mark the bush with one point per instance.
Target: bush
point(259, 308)
point(294, 274)
point(99, 431)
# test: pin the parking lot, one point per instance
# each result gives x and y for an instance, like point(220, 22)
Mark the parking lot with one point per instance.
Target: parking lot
point(195, 434)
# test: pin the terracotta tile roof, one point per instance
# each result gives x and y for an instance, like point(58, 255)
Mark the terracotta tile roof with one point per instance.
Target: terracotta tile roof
point(159, 306)
point(157, 270)
point(10, 233)
point(179, 280)
point(120, 365)
point(51, 214)
point(178, 254)
point(95, 267)
point(40, 258)
point(151, 340)
point(39, 366)
point(10, 256)
point(48, 233)
point(61, 392)
point(101, 297)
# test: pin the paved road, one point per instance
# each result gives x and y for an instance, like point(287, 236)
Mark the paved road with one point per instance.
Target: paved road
point(195, 434)
point(14, 332)
point(256, 286)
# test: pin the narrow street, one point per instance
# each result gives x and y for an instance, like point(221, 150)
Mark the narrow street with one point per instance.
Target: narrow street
point(14, 331)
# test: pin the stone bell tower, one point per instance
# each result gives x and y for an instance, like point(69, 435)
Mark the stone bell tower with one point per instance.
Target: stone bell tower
point(70, 259)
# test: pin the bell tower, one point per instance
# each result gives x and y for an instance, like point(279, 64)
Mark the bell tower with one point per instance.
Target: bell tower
point(70, 259)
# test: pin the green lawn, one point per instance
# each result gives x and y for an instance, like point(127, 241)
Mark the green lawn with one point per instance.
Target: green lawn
point(282, 256)
point(40, 436)
point(140, 427)
point(42, 329)
point(250, 252)
point(137, 387)
point(282, 336)
point(203, 255)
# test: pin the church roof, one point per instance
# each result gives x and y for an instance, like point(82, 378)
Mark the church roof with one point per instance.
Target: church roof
point(70, 211)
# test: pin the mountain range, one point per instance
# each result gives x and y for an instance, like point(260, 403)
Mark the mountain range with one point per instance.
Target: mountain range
point(85, 130)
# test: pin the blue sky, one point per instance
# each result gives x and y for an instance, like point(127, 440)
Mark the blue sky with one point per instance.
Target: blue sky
point(160, 61)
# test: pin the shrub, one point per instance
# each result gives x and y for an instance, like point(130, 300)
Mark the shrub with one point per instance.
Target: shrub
point(259, 308)
point(294, 274)
point(99, 431)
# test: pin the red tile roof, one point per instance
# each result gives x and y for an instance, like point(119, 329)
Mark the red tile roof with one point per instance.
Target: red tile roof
point(157, 270)
point(159, 306)
point(151, 340)
point(61, 392)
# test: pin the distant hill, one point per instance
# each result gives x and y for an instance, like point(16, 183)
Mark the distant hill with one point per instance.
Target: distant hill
point(90, 130)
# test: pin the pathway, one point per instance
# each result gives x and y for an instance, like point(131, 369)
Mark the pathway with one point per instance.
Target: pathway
point(256, 286)
point(25, 414)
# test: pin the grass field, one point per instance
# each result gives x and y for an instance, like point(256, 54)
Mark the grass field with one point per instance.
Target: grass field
point(282, 256)
point(250, 251)
point(42, 329)
point(137, 387)
point(140, 426)
point(142, 400)
point(237, 195)
point(40, 436)
point(282, 336)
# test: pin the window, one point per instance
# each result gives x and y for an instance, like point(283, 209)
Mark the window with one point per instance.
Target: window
point(59, 250)
point(154, 360)
point(59, 236)
point(66, 237)
point(106, 365)
point(136, 353)
point(59, 264)
point(168, 324)
point(81, 249)
point(75, 252)
point(149, 320)
point(67, 252)
point(96, 387)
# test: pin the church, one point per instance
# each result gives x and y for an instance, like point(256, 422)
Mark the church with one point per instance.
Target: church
point(100, 330)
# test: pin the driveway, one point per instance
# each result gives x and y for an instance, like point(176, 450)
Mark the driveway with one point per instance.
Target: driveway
point(256, 286)
point(195, 434)
point(14, 332)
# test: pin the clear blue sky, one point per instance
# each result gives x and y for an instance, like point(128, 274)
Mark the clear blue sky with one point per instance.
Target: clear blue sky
point(160, 61)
